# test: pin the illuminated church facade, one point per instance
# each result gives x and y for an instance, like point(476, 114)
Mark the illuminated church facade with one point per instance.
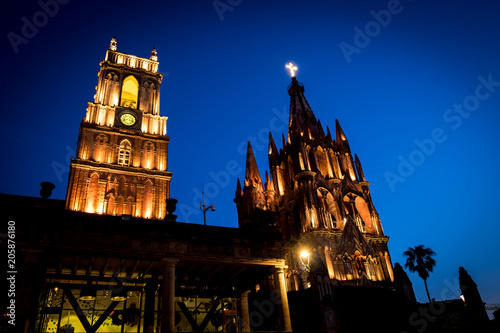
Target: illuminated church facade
point(121, 159)
point(309, 255)
point(316, 193)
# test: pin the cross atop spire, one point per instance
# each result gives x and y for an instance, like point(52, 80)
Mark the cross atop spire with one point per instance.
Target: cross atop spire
point(292, 68)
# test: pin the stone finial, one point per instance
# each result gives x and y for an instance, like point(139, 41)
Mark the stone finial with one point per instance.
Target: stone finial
point(171, 207)
point(112, 45)
point(154, 54)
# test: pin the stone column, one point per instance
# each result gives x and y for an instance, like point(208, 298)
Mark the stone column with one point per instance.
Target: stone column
point(245, 315)
point(168, 295)
point(149, 305)
point(105, 206)
point(284, 311)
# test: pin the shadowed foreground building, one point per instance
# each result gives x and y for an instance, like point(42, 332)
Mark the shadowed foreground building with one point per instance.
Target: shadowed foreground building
point(309, 255)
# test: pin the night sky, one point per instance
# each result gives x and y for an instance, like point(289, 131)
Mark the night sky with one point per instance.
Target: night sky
point(415, 86)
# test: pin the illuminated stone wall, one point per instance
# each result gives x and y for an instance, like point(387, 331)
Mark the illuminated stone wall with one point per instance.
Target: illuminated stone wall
point(120, 166)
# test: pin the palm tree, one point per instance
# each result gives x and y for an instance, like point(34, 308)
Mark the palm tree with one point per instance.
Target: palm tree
point(419, 259)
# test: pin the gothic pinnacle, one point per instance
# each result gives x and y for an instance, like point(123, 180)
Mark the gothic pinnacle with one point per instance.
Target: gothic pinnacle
point(361, 174)
point(252, 176)
point(283, 141)
point(321, 132)
point(342, 142)
point(273, 151)
point(239, 192)
point(268, 185)
point(328, 134)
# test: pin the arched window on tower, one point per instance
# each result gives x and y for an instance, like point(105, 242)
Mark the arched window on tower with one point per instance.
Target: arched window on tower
point(92, 192)
point(124, 152)
point(128, 206)
point(100, 148)
point(119, 206)
point(148, 155)
point(109, 94)
point(364, 214)
point(148, 97)
point(147, 202)
point(110, 210)
point(130, 92)
point(323, 163)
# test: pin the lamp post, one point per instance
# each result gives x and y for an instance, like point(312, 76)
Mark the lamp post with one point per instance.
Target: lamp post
point(304, 270)
point(304, 259)
point(204, 208)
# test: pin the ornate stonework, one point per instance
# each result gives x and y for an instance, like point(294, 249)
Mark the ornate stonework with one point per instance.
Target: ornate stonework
point(316, 193)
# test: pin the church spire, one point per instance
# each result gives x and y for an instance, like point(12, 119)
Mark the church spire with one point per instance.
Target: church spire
point(359, 168)
point(315, 189)
point(342, 142)
point(303, 124)
point(239, 192)
point(273, 151)
point(252, 175)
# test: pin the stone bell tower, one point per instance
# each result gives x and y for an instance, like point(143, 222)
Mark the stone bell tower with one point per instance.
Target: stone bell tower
point(120, 166)
point(316, 194)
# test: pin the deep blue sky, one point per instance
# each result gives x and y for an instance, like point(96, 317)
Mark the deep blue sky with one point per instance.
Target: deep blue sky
point(225, 82)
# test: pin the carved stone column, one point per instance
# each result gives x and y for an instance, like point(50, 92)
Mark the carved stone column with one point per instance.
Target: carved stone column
point(168, 295)
point(284, 311)
point(245, 315)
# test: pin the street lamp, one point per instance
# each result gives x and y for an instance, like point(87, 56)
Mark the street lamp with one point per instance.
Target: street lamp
point(305, 268)
point(304, 259)
point(204, 208)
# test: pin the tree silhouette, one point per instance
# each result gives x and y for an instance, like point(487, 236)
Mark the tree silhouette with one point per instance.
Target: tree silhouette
point(419, 259)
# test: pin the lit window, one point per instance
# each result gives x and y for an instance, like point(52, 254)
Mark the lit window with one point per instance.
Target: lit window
point(130, 92)
point(124, 153)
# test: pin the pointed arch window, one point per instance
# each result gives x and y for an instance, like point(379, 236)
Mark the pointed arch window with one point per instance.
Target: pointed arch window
point(125, 150)
point(370, 268)
point(130, 92)
point(324, 166)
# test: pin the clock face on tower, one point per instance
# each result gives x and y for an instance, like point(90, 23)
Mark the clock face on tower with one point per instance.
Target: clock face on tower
point(127, 119)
